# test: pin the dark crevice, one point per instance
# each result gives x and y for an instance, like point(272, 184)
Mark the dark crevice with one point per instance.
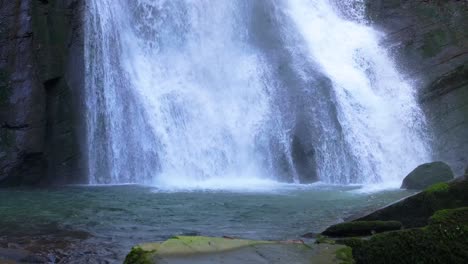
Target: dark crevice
point(6, 125)
point(51, 86)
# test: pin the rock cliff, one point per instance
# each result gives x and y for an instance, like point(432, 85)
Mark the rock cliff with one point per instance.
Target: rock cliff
point(429, 39)
point(41, 68)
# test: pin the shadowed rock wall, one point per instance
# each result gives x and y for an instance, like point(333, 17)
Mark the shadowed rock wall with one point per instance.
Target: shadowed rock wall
point(429, 39)
point(41, 80)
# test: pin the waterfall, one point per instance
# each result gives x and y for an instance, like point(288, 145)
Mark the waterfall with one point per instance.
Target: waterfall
point(204, 93)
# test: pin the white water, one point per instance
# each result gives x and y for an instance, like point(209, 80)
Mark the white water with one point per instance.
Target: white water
point(381, 120)
point(221, 94)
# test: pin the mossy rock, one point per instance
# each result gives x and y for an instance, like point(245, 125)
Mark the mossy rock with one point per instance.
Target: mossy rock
point(207, 250)
point(345, 255)
point(361, 228)
point(438, 187)
point(415, 211)
point(426, 175)
point(198, 244)
point(321, 239)
point(444, 240)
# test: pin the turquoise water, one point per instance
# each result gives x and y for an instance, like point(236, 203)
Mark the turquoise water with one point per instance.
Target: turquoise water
point(83, 224)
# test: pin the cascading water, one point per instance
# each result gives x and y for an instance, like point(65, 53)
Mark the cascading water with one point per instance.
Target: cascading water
point(186, 93)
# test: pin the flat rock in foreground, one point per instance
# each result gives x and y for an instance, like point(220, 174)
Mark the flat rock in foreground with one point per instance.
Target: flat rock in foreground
point(206, 250)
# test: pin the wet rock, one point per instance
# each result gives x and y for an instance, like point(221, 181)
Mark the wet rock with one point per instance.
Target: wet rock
point(429, 42)
point(361, 228)
point(427, 174)
point(414, 211)
point(41, 79)
point(226, 250)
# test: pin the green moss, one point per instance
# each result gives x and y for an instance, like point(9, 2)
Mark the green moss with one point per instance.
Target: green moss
point(444, 240)
point(450, 216)
point(361, 228)
point(324, 240)
point(345, 255)
point(138, 256)
point(438, 187)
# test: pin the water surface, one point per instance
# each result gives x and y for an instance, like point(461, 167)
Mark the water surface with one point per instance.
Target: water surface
point(99, 224)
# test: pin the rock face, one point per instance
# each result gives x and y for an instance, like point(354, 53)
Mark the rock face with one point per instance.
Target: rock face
point(415, 210)
point(41, 80)
point(426, 175)
point(430, 43)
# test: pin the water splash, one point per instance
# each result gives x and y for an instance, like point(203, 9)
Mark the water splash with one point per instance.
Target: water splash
point(381, 122)
point(205, 92)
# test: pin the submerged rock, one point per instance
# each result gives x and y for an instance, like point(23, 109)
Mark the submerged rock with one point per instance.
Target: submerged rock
point(361, 228)
point(427, 174)
point(199, 249)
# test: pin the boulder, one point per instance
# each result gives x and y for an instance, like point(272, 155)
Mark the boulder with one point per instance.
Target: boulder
point(361, 228)
point(206, 250)
point(427, 174)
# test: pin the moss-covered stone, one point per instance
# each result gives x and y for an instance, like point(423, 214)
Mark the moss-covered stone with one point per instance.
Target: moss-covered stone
point(211, 250)
point(415, 211)
point(320, 239)
point(457, 216)
point(345, 255)
point(444, 240)
point(438, 187)
point(427, 174)
point(186, 245)
point(138, 256)
point(361, 228)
